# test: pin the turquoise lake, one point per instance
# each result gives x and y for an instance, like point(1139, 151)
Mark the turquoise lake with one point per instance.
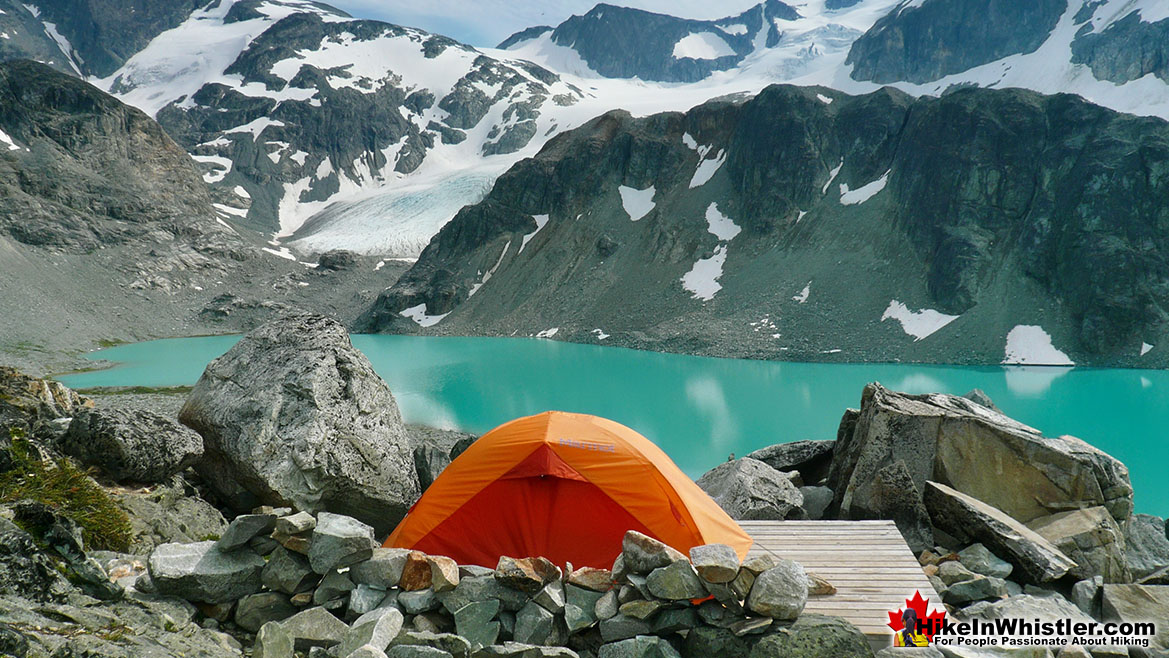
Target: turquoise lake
point(700, 410)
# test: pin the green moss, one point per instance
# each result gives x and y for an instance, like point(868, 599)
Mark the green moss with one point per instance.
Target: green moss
point(68, 490)
point(210, 537)
point(106, 342)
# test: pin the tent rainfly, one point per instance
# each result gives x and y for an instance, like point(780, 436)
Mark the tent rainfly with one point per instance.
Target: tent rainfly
point(566, 487)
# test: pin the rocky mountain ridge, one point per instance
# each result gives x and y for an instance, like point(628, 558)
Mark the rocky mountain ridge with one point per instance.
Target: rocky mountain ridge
point(924, 229)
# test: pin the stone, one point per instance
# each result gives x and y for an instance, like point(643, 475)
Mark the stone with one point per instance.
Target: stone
point(364, 599)
point(131, 445)
point(780, 592)
point(742, 583)
point(621, 627)
point(817, 500)
point(450, 643)
point(533, 625)
point(1146, 545)
point(598, 580)
point(814, 636)
point(971, 449)
point(607, 606)
point(1139, 603)
point(293, 414)
point(314, 627)
point(619, 570)
point(751, 626)
point(272, 641)
point(167, 514)
point(475, 622)
point(379, 630)
point(444, 573)
point(415, 572)
point(1028, 606)
point(367, 651)
point(715, 563)
point(580, 607)
point(551, 597)
point(893, 495)
point(642, 646)
point(819, 586)
point(339, 541)
point(296, 524)
point(1091, 538)
point(978, 588)
point(978, 559)
point(640, 609)
point(1086, 595)
point(383, 568)
point(676, 582)
point(748, 489)
point(333, 587)
point(710, 642)
point(295, 543)
point(471, 570)
point(288, 572)
point(724, 594)
point(1035, 559)
point(528, 574)
point(952, 572)
point(642, 554)
point(201, 572)
point(1158, 577)
point(672, 620)
point(418, 601)
point(255, 610)
point(810, 458)
point(416, 651)
point(482, 588)
point(243, 529)
point(760, 563)
point(263, 545)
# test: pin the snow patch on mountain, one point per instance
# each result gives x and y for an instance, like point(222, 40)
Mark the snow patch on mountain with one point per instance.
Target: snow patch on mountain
point(1031, 345)
point(418, 315)
point(702, 279)
point(918, 324)
point(863, 193)
point(541, 222)
point(637, 203)
point(703, 45)
point(707, 168)
point(719, 225)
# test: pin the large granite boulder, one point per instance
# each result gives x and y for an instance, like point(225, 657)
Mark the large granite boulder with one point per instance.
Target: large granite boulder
point(969, 520)
point(748, 489)
point(131, 445)
point(780, 592)
point(895, 496)
point(168, 513)
point(27, 402)
point(968, 447)
point(1090, 538)
point(201, 572)
point(1146, 545)
point(811, 459)
point(293, 414)
point(1140, 603)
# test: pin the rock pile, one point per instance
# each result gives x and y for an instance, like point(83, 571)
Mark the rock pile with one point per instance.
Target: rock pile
point(313, 584)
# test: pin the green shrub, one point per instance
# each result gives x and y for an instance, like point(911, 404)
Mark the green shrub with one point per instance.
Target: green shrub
point(68, 490)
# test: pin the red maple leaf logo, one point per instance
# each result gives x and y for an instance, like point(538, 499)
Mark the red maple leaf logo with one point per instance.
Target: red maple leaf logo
point(931, 621)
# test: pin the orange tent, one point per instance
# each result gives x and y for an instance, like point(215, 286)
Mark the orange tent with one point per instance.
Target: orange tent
point(566, 487)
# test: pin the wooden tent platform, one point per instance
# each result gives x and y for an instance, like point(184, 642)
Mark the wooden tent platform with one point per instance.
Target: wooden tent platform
point(868, 562)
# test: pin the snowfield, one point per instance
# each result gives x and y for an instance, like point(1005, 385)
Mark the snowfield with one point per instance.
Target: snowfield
point(1031, 345)
point(919, 324)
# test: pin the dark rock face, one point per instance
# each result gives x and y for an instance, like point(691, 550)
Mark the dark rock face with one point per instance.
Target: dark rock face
point(1125, 50)
point(132, 445)
point(619, 42)
point(27, 38)
point(987, 195)
point(294, 414)
point(940, 37)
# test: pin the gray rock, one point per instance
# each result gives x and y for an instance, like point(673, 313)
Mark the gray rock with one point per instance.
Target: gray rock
point(452, 644)
point(816, 501)
point(367, 651)
point(444, 573)
point(294, 414)
point(751, 626)
point(519, 650)
point(482, 588)
point(642, 554)
point(296, 524)
point(672, 620)
point(715, 563)
point(528, 574)
point(814, 636)
point(243, 529)
point(607, 605)
point(641, 608)
point(1027, 606)
point(201, 572)
point(364, 599)
point(978, 588)
point(339, 541)
point(1086, 595)
point(552, 597)
point(969, 520)
point(475, 622)
point(418, 601)
point(676, 582)
point(951, 572)
point(780, 592)
point(622, 627)
point(979, 559)
point(167, 514)
point(333, 587)
point(598, 580)
point(936, 435)
point(533, 625)
point(711, 642)
point(378, 630)
point(131, 445)
point(315, 627)
point(810, 458)
point(1137, 603)
point(748, 489)
point(255, 610)
point(288, 572)
point(272, 641)
point(1090, 538)
point(416, 651)
point(382, 569)
point(978, 396)
point(1146, 545)
point(893, 495)
point(642, 646)
point(580, 607)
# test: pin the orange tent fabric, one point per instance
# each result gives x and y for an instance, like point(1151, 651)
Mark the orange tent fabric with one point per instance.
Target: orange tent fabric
point(566, 487)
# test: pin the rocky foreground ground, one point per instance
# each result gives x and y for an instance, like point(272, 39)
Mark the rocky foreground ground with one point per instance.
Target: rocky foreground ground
point(115, 540)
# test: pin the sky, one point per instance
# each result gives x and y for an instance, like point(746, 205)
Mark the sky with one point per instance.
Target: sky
point(485, 23)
